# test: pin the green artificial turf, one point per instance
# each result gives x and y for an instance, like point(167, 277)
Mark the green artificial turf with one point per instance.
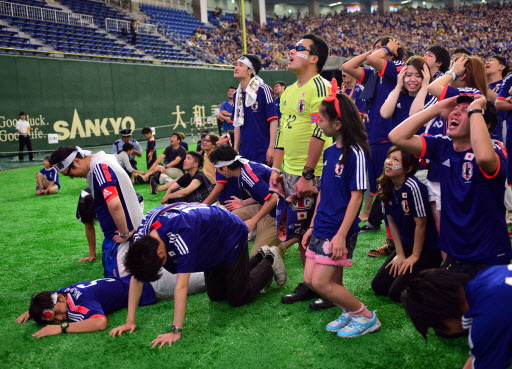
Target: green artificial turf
point(41, 241)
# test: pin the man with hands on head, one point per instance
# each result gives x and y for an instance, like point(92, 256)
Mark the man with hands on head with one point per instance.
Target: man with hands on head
point(472, 175)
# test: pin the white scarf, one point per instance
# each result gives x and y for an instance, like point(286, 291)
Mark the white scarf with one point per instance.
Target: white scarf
point(251, 93)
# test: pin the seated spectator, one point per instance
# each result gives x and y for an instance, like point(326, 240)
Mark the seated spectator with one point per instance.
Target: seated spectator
point(208, 144)
point(412, 226)
point(183, 143)
point(47, 179)
point(172, 157)
point(123, 158)
point(453, 304)
point(126, 137)
point(472, 171)
point(258, 211)
point(195, 186)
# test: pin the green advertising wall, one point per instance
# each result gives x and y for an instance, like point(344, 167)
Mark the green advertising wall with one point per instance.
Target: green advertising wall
point(86, 103)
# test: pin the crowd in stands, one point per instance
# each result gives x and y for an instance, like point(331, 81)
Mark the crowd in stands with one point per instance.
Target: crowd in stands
point(480, 28)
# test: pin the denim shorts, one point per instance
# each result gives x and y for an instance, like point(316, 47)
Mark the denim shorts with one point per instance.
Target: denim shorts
point(318, 251)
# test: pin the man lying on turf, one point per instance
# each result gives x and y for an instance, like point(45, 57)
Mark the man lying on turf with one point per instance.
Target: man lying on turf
point(86, 304)
point(186, 238)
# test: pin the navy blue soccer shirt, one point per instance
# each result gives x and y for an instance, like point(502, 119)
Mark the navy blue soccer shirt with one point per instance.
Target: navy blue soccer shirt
point(198, 237)
point(101, 297)
point(337, 183)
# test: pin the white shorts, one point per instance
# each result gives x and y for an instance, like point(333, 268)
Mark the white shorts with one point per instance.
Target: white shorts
point(434, 193)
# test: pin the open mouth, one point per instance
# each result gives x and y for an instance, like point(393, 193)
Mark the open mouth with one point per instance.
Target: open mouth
point(454, 123)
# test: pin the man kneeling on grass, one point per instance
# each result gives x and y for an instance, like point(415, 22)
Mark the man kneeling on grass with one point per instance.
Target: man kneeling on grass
point(82, 307)
point(185, 238)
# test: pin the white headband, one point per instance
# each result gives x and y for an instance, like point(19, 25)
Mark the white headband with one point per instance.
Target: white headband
point(67, 162)
point(220, 164)
point(47, 313)
point(246, 61)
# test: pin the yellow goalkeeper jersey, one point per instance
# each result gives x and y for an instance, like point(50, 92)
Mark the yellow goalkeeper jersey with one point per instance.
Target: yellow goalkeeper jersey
point(299, 118)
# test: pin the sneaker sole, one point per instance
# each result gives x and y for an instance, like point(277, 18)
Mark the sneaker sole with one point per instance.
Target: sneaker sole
point(278, 261)
point(375, 328)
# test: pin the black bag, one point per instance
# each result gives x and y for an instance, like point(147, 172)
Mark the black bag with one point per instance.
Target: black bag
point(203, 192)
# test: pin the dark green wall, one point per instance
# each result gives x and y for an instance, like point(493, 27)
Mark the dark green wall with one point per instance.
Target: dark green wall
point(87, 102)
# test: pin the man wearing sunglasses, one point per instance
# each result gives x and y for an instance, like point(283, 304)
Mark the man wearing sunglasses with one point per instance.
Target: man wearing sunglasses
point(115, 201)
point(300, 144)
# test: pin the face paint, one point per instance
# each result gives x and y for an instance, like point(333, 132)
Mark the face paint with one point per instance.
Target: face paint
point(406, 79)
point(396, 168)
point(301, 56)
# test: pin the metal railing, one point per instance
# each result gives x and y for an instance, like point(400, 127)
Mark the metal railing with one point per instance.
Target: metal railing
point(44, 14)
point(120, 25)
point(175, 4)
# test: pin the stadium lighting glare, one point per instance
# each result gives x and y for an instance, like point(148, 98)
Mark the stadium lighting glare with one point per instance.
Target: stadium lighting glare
point(406, 1)
point(334, 4)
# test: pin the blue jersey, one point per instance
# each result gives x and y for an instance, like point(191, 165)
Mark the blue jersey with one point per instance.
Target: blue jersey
point(497, 133)
point(473, 227)
point(88, 191)
point(198, 237)
point(409, 202)
point(356, 96)
point(255, 133)
point(227, 125)
point(254, 178)
point(403, 109)
point(379, 127)
point(232, 187)
point(450, 91)
point(98, 298)
point(106, 187)
point(51, 174)
point(277, 102)
point(502, 95)
point(488, 320)
point(337, 183)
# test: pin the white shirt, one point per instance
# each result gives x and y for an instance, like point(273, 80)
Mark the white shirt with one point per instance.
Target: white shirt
point(22, 125)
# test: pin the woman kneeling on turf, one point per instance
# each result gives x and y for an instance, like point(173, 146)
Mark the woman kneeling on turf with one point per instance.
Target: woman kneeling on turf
point(411, 224)
point(333, 233)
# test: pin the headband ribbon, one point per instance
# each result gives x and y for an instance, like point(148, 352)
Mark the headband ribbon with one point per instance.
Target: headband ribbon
point(47, 313)
point(61, 166)
point(220, 164)
point(245, 60)
point(334, 97)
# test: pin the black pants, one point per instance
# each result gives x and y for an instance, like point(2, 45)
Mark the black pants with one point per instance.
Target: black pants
point(375, 218)
point(385, 284)
point(134, 38)
point(220, 126)
point(133, 164)
point(239, 282)
point(22, 142)
point(459, 266)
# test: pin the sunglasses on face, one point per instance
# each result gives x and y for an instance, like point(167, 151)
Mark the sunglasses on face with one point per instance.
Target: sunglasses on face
point(302, 48)
point(66, 173)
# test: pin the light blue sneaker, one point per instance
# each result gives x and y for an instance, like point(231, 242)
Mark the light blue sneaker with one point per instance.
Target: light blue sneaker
point(341, 322)
point(360, 325)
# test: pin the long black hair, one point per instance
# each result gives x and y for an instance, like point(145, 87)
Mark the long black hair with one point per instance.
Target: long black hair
point(353, 132)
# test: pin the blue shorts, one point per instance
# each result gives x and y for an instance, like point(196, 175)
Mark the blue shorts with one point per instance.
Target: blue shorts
point(509, 163)
point(379, 153)
point(318, 251)
point(113, 258)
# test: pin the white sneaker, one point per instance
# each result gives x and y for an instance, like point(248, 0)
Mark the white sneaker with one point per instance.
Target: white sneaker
point(278, 266)
point(341, 322)
point(360, 325)
point(508, 219)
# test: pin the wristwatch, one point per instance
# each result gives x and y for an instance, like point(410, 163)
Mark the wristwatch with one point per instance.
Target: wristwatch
point(64, 327)
point(308, 173)
point(175, 329)
point(481, 111)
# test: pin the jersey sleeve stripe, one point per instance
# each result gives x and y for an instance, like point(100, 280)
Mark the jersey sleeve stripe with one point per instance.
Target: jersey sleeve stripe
point(268, 94)
point(317, 87)
point(246, 179)
point(182, 244)
point(490, 176)
point(267, 197)
point(418, 201)
point(272, 118)
point(98, 316)
point(501, 98)
point(221, 181)
point(360, 168)
point(443, 94)
point(323, 89)
point(106, 172)
point(381, 72)
point(362, 76)
point(76, 308)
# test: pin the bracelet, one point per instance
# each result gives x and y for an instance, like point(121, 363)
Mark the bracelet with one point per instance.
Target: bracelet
point(481, 111)
point(386, 49)
point(276, 170)
point(311, 227)
point(508, 99)
point(124, 235)
point(453, 74)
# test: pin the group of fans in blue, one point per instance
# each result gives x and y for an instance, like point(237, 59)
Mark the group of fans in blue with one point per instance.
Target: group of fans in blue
point(422, 136)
